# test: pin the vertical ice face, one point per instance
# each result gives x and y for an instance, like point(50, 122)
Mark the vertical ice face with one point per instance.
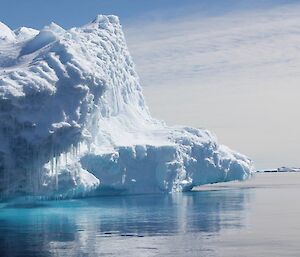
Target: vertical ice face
point(73, 120)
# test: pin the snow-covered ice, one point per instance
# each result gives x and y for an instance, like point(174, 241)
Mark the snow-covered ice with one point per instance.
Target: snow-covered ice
point(288, 169)
point(74, 122)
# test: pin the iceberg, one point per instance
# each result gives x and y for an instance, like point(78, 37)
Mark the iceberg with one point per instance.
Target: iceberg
point(74, 122)
point(288, 169)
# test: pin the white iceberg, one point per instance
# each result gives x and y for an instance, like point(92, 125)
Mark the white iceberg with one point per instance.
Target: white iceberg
point(288, 169)
point(74, 122)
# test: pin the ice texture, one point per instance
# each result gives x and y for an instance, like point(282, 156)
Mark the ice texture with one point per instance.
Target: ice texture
point(74, 122)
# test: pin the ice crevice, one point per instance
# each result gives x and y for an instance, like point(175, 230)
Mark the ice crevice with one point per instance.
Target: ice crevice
point(74, 122)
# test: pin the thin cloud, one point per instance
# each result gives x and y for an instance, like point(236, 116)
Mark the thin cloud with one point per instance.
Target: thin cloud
point(236, 74)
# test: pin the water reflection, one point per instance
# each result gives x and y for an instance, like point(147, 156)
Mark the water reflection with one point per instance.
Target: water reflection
point(145, 225)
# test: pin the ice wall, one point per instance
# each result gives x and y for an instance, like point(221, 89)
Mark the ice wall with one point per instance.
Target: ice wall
point(73, 120)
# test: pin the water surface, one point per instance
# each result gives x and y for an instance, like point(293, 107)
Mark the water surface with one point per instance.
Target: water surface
point(254, 218)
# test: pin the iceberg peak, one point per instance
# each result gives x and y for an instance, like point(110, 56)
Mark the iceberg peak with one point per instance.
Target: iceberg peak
point(54, 28)
point(24, 33)
point(107, 22)
point(6, 34)
point(102, 19)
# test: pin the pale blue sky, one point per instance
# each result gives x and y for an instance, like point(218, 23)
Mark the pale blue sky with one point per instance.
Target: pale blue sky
point(69, 13)
point(228, 65)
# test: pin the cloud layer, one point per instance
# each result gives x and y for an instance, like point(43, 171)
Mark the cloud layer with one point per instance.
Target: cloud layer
point(235, 73)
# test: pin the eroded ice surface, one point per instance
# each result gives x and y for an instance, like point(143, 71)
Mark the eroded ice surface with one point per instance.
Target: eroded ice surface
point(73, 120)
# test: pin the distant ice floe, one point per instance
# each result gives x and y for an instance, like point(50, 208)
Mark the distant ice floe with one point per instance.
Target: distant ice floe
point(282, 169)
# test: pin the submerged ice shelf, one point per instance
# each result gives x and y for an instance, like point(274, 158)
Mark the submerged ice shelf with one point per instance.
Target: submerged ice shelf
point(74, 122)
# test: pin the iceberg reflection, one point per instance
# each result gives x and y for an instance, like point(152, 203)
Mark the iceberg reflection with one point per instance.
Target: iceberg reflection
point(141, 225)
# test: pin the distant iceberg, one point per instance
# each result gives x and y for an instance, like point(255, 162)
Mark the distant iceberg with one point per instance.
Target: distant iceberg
point(74, 122)
point(288, 169)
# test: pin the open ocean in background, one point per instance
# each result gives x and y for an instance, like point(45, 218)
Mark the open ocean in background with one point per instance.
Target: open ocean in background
point(259, 217)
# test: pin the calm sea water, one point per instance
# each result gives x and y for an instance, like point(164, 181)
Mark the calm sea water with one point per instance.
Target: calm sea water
point(259, 217)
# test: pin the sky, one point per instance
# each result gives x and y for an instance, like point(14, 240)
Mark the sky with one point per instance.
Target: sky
point(227, 65)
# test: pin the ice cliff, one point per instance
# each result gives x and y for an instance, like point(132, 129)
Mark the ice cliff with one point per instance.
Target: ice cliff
point(74, 122)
